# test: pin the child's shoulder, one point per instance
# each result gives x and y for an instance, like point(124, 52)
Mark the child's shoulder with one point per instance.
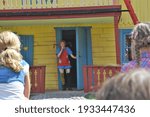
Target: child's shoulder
point(67, 48)
point(24, 63)
point(129, 65)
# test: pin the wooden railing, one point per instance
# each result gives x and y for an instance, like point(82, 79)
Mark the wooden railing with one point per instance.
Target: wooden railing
point(34, 4)
point(37, 75)
point(94, 76)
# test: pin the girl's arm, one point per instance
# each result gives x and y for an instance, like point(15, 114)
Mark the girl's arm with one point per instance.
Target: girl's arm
point(72, 56)
point(27, 86)
point(70, 53)
point(58, 55)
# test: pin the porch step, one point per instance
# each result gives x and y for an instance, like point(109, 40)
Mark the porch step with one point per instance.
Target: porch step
point(59, 95)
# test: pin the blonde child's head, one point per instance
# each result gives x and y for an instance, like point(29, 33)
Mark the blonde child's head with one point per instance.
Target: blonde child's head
point(131, 85)
point(9, 40)
point(10, 51)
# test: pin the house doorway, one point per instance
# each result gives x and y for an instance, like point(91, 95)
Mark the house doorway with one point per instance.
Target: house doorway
point(78, 39)
point(70, 38)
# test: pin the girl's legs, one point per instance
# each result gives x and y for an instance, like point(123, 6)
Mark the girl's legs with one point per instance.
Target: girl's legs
point(68, 78)
point(67, 71)
point(62, 79)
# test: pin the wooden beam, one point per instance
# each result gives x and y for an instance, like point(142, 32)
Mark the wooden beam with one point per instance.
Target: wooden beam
point(117, 42)
point(60, 13)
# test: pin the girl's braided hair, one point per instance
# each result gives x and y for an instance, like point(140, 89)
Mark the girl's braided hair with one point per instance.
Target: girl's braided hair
point(141, 37)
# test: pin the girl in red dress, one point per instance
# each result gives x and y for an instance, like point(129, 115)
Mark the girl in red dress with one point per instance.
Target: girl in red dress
point(64, 64)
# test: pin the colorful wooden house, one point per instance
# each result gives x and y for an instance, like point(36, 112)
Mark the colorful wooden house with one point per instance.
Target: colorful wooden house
point(90, 27)
point(126, 24)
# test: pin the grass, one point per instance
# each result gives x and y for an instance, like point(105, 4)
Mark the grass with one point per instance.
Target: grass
point(90, 96)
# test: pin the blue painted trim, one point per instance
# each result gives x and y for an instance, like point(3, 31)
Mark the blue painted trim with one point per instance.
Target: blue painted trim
point(123, 33)
point(30, 2)
point(89, 47)
point(27, 40)
point(31, 44)
point(77, 55)
point(64, 67)
point(58, 39)
point(83, 39)
point(72, 28)
point(66, 28)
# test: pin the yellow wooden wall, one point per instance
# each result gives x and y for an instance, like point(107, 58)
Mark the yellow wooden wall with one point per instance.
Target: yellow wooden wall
point(103, 46)
point(103, 43)
point(141, 8)
point(44, 52)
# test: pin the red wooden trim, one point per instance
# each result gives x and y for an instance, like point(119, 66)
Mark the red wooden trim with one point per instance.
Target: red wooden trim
point(117, 42)
point(62, 9)
point(90, 77)
point(101, 68)
point(95, 78)
point(40, 79)
point(90, 72)
point(60, 17)
point(85, 79)
point(107, 72)
point(131, 11)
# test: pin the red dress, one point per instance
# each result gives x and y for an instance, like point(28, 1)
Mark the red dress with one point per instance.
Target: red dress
point(63, 61)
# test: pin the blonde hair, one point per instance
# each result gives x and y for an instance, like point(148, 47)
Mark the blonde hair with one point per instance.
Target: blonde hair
point(10, 51)
point(132, 85)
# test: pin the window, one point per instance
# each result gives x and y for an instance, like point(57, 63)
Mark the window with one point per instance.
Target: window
point(125, 45)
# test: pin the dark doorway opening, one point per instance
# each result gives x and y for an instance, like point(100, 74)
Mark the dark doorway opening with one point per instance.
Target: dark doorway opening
point(70, 37)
